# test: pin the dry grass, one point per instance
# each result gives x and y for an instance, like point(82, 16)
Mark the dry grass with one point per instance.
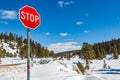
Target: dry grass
point(11, 68)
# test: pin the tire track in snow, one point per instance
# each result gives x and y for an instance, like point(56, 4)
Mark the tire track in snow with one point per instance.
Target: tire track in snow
point(92, 78)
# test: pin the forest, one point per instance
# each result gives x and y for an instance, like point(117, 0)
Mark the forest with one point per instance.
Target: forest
point(100, 50)
point(88, 51)
point(36, 50)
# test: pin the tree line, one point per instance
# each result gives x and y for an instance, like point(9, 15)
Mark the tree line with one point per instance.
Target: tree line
point(36, 50)
point(100, 50)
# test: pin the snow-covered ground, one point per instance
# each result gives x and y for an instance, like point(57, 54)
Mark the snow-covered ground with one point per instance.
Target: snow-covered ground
point(59, 70)
point(6, 46)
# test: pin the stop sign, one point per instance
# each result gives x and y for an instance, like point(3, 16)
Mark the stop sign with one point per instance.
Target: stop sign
point(29, 17)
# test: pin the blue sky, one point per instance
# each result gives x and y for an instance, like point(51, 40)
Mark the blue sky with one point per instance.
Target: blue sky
point(65, 24)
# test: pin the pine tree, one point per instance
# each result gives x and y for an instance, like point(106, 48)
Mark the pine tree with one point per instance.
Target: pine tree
point(52, 54)
point(19, 41)
point(3, 53)
point(0, 53)
point(23, 52)
point(11, 37)
point(87, 51)
point(115, 52)
point(118, 46)
point(35, 48)
point(5, 36)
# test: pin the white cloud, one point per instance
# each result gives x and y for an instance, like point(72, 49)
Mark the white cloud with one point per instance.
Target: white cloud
point(47, 33)
point(60, 3)
point(64, 3)
point(66, 46)
point(79, 23)
point(63, 34)
point(4, 22)
point(8, 14)
point(86, 31)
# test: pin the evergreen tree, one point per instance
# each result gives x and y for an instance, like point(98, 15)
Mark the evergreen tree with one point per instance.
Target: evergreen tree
point(3, 53)
point(52, 54)
point(115, 52)
point(0, 53)
point(118, 46)
point(23, 52)
point(35, 48)
point(87, 51)
point(11, 37)
point(25, 41)
point(1, 36)
point(19, 41)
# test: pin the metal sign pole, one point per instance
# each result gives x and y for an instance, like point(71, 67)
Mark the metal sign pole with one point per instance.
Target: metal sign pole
point(28, 55)
point(29, 24)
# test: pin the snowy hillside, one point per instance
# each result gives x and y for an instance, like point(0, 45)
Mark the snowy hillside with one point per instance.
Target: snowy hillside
point(60, 70)
point(56, 69)
point(10, 47)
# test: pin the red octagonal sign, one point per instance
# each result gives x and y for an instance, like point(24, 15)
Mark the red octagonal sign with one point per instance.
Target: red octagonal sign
point(29, 17)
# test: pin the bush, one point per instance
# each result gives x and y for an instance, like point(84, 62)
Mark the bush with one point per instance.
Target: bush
point(60, 58)
point(0, 61)
point(81, 68)
point(15, 55)
point(68, 57)
point(104, 65)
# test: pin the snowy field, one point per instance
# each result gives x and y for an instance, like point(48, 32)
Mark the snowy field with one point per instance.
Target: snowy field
point(58, 70)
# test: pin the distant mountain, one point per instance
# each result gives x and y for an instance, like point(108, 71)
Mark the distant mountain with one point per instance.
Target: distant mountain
point(73, 52)
point(100, 50)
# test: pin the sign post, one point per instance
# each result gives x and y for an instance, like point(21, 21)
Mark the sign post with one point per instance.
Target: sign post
point(28, 56)
point(30, 18)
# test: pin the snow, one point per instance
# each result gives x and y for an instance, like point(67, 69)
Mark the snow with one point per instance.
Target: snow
point(7, 47)
point(59, 69)
point(49, 69)
point(8, 60)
